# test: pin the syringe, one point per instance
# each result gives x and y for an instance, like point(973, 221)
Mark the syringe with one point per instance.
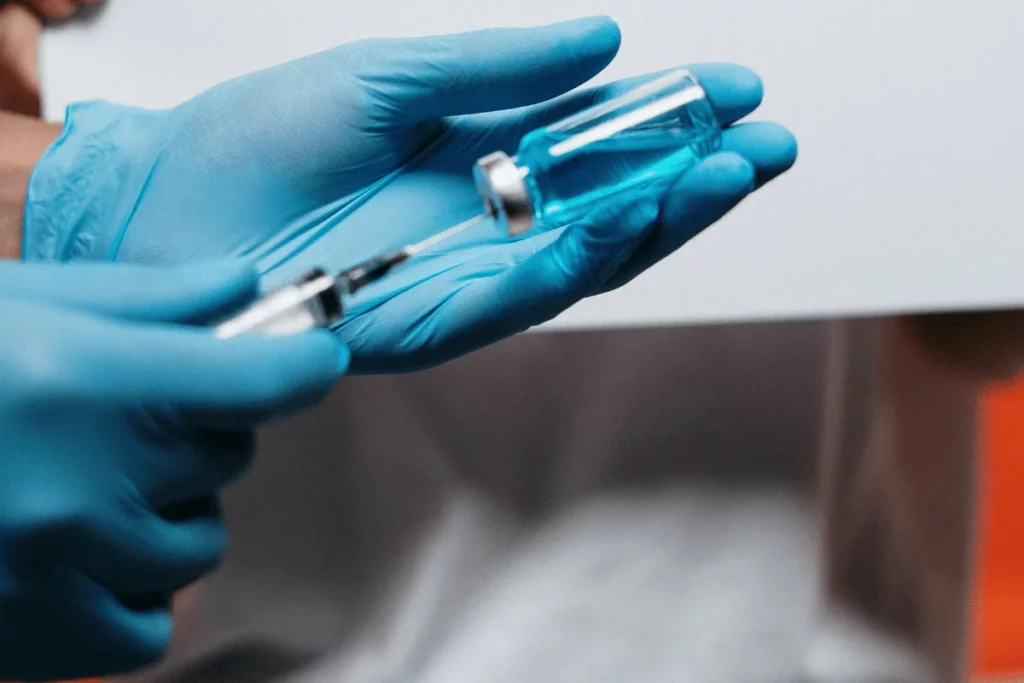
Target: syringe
point(657, 129)
point(316, 300)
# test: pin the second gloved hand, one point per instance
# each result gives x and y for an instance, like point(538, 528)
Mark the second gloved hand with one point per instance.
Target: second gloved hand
point(333, 158)
point(119, 424)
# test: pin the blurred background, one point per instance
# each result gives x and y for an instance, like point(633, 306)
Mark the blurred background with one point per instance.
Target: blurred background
point(820, 501)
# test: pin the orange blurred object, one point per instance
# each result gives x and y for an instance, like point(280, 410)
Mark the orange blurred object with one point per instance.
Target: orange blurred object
point(998, 620)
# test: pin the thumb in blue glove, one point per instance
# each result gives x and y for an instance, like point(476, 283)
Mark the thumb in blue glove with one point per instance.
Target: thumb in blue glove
point(119, 424)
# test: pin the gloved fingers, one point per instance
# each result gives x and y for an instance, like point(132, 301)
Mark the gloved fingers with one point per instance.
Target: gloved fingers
point(410, 81)
point(196, 468)
point(192, 293)
point(771, 148)
point(756, 153)
point(700, 198)
point(214, 382)
point(123, 639)
point(144, 564)
point(535, 280)
point(577, 263)
point(91, 633)
point(75, 628)
point(281, 377)
point(734, 91)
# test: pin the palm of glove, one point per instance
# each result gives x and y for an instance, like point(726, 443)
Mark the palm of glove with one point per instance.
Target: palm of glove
point(336, 157)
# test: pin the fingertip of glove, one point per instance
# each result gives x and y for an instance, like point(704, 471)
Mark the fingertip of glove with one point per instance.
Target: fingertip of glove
point(734, 171)
point(344, 356)
point(725, 79)
point(724, 174)
point(786, 145)
point(770, 146)
point(600, 33)
point(337, 349)
point(332, 354)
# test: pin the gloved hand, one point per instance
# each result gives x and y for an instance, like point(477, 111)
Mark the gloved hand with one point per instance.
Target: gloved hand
point(118, 425)
point(335, 157)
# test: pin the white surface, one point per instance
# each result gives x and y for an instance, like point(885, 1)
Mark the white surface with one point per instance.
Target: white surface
point(907, 196)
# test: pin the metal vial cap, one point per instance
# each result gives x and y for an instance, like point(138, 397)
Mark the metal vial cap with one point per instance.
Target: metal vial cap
point(506, 198)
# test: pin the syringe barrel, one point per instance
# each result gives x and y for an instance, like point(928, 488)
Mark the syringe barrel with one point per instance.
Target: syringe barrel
point(655, 130)
point(309, 303)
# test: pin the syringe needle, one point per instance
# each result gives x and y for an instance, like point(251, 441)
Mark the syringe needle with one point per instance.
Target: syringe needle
point(354, 279)
point(433, 240)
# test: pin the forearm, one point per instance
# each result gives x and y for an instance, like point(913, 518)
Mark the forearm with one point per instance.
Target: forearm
point(23, 141)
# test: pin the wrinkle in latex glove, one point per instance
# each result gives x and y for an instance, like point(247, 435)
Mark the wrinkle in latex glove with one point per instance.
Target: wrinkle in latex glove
point(339, 156)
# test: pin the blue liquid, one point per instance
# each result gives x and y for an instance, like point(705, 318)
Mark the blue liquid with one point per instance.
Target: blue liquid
point(566, 188)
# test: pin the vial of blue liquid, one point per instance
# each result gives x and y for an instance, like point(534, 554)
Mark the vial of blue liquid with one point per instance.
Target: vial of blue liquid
point(653, 131)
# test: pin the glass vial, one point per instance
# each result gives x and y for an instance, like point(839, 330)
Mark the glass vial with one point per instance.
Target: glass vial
point(661, 127)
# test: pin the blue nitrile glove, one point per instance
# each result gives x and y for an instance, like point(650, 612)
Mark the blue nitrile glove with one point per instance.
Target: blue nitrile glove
point(118, 425)
point(338, 156)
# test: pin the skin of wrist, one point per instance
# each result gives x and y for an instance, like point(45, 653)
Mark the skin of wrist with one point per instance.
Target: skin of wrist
point(23, 141)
